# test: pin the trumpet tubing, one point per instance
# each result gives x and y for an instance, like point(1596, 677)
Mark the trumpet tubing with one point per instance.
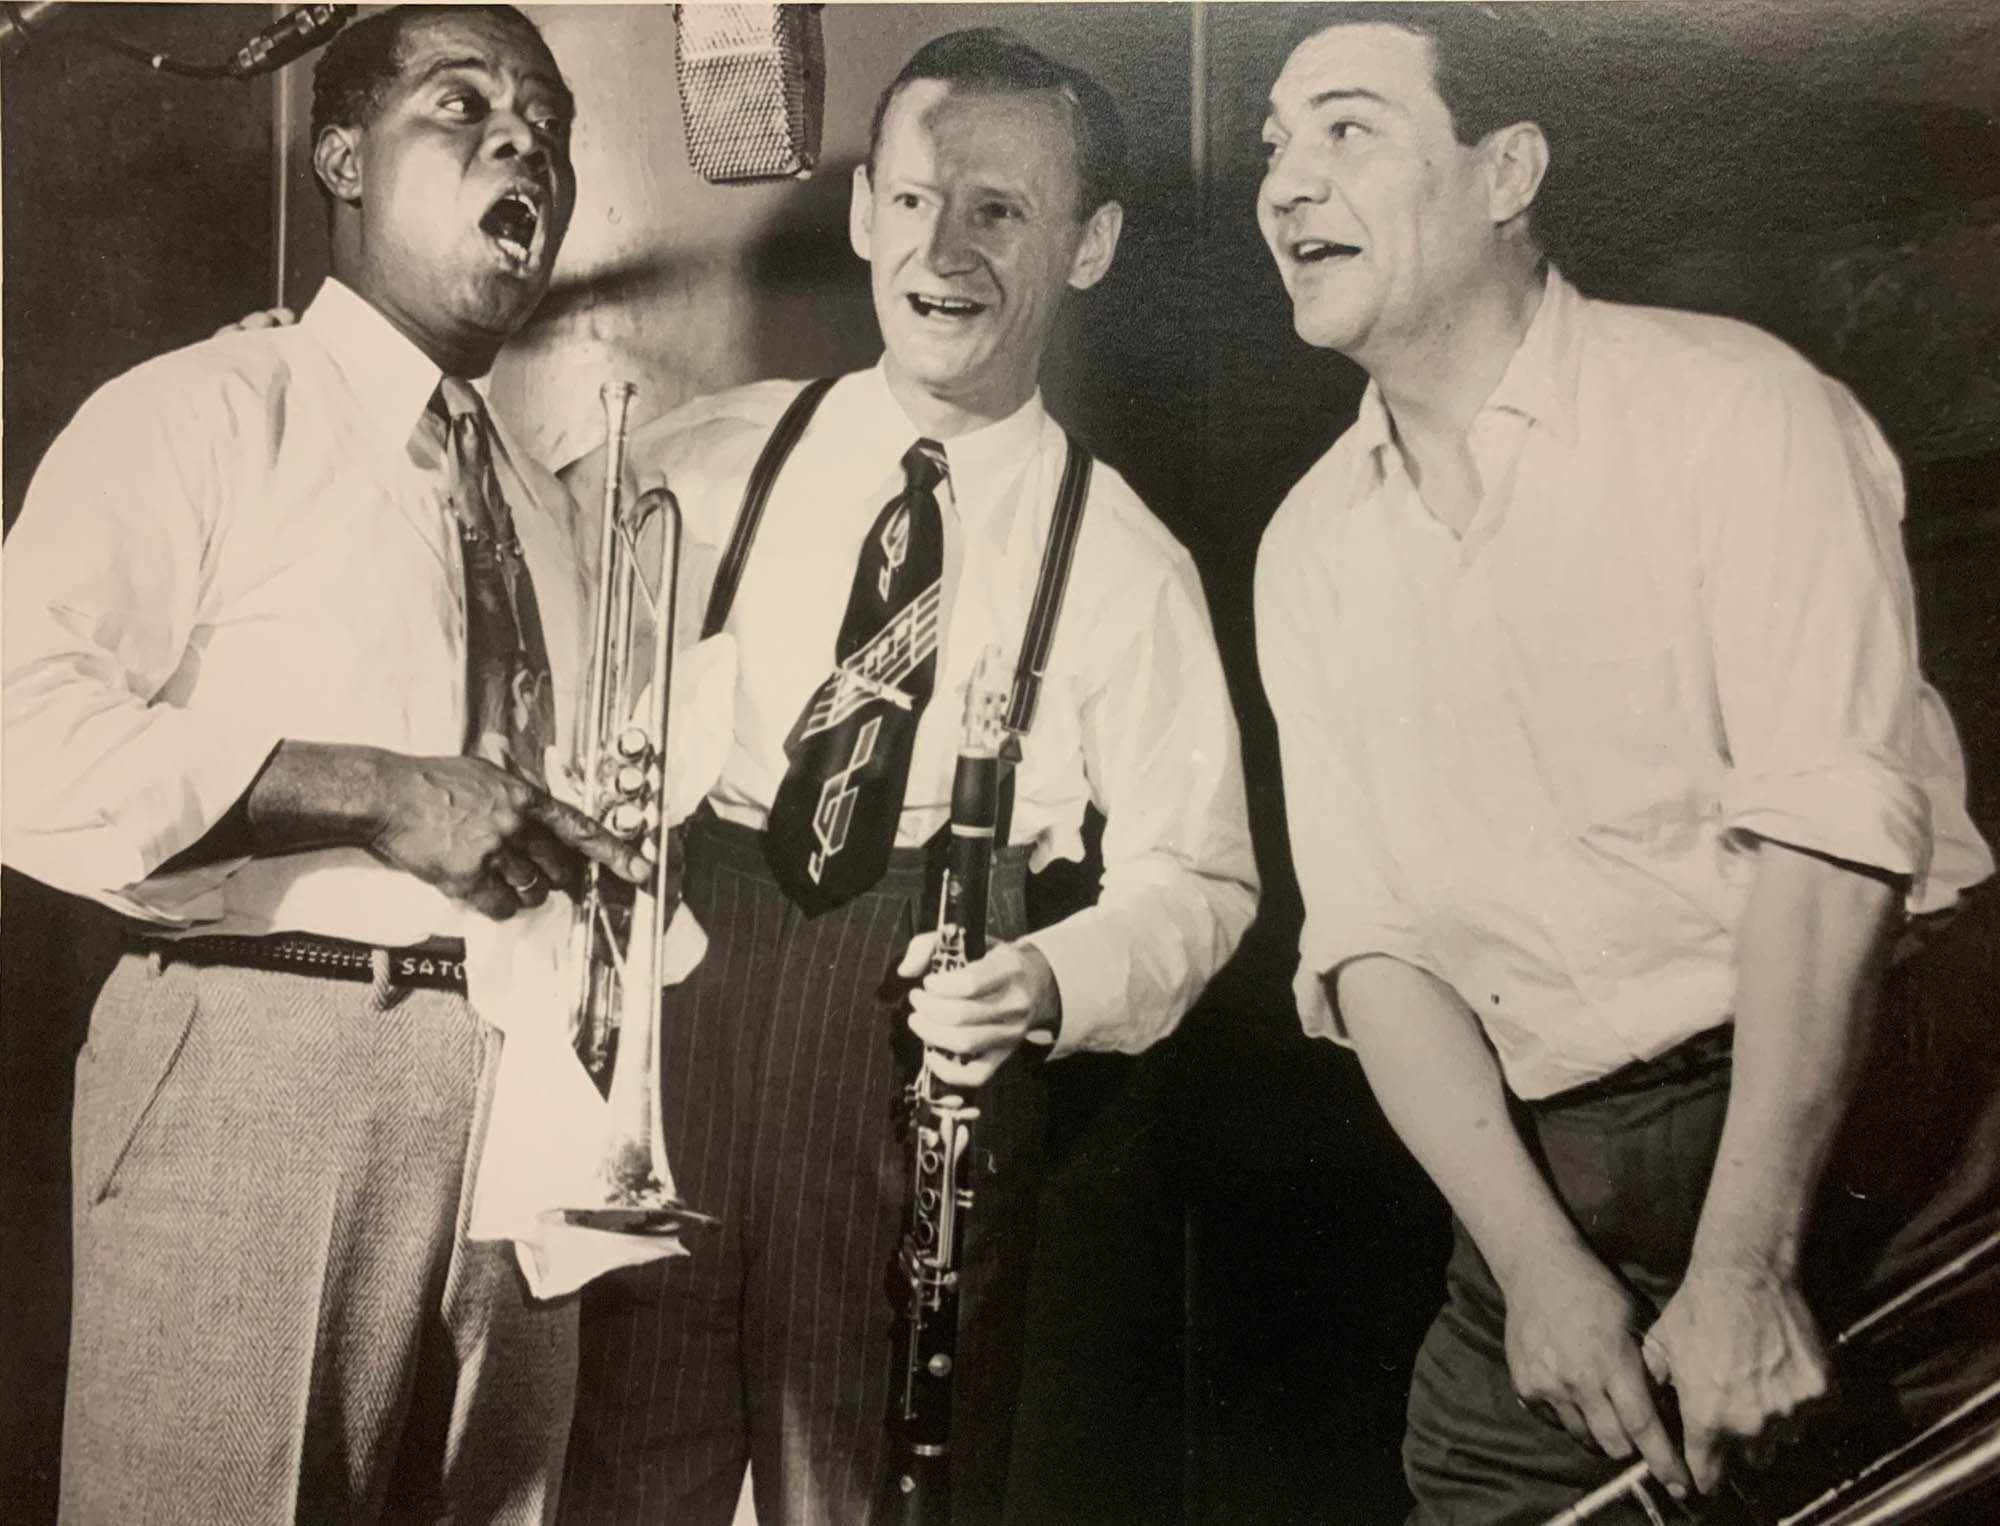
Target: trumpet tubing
point(619, 772)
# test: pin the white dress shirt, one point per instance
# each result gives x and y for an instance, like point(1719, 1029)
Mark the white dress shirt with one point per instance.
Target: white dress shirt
point(238, 543)
point(1532, 761)
point(1134, 715)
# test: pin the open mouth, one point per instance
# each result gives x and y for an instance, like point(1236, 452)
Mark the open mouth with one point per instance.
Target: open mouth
point(926, 306)
point(1308, 251)
point(511, 222)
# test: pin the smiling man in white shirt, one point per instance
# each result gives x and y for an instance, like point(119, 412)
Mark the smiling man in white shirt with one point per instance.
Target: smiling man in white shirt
point(1610, 777)
point(282, 611)
point(989, 194)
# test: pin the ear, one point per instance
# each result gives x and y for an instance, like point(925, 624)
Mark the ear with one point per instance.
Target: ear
point(1517, 158)
point(1098, 244)
point(337, 162)
point(861, 213)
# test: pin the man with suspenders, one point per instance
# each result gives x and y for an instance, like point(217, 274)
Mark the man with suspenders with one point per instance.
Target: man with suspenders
point(863, 541)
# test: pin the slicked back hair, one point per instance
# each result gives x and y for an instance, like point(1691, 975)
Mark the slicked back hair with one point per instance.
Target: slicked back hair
point(993, 61)
point(1491, 69)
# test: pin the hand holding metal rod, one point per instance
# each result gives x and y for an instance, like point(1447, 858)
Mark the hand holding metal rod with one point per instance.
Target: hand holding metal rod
point(1634, 1482)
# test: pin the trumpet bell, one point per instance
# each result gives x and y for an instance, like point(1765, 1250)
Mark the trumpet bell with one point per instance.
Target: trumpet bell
point(668, 1216)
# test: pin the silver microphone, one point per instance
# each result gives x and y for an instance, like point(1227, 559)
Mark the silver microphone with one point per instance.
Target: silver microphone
point(753, 89)
point(292, 36)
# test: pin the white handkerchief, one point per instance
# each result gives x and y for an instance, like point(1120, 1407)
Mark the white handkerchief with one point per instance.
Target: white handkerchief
point(546, 1128)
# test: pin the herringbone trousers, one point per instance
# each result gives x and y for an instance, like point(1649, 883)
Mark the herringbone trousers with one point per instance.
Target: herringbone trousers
point(277, 1317)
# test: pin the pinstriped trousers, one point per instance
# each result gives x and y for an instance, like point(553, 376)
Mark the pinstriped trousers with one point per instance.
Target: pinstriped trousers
point(277, 1316)
point(783, 1058)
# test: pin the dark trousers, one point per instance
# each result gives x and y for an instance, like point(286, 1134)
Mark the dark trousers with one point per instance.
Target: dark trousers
point(784, 1059)
point(1915, 1179)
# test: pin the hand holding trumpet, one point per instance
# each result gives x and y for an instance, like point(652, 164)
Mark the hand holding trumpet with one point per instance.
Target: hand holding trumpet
point(473, 830)
point(485, 837)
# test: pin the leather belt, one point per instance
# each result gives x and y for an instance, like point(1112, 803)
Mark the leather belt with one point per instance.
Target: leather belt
point(1705, 1051)
point(436, 965)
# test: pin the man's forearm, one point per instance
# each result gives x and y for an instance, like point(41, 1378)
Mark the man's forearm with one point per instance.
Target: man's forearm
point(307, 795)
point(461, 824)
point(1809, 958)
point(1569, 1320)
point(1441, 1089)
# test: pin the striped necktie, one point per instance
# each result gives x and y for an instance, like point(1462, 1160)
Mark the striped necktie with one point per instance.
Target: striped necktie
point(510, 705)
point(833, 821)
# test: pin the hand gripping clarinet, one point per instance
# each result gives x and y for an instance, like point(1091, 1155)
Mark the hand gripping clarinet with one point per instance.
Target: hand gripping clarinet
point(940, 1124)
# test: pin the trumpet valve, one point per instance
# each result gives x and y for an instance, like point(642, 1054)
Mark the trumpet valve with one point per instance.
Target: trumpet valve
point(633, 745)
point(632, 781)
point(629, 818)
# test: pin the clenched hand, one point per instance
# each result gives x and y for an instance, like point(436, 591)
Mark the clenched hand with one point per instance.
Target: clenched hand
point(1572, 1346)
point(1744, 1357)
point(974, 1017)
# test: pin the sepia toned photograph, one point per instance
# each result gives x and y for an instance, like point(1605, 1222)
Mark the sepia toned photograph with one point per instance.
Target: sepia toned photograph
point(1132, 764)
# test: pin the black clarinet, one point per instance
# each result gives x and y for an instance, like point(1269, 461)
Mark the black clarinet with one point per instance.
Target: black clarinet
point(940, 1129)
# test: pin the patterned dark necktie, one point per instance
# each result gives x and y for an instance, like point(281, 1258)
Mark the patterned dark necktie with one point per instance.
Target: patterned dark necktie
point(833, 822)
point(510, 706)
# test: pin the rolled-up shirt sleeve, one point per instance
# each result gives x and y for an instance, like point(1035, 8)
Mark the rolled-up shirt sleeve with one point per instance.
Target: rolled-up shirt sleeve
point(1161, 756)
point(1352, 907)
point(105, 777)
point(1813, 625)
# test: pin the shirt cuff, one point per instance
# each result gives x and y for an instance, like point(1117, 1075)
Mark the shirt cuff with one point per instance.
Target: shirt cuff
point(1094, 988)
point(194, 769)
point(1318, 1015)
point(180, 900)
point(1321, 959)
point(1864, 812)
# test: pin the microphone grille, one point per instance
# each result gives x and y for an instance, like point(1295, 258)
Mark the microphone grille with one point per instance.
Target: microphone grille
point(753, 89)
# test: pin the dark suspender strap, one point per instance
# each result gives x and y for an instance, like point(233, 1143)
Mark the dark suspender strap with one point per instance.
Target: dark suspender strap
point(1050, 585)
point(755, 494)
point(1040, 634)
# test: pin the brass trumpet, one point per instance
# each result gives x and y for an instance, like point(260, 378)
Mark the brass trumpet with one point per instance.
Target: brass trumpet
point(1956, 1453)
point(619, 772)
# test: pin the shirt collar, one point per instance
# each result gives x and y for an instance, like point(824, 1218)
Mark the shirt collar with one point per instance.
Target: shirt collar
point(1540, 381)
point(1372, 428)
point(392, 380)
point(980, 459)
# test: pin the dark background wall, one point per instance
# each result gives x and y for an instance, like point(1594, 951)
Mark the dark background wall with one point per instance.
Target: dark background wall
point(1237, 1258)
point(136, 212)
